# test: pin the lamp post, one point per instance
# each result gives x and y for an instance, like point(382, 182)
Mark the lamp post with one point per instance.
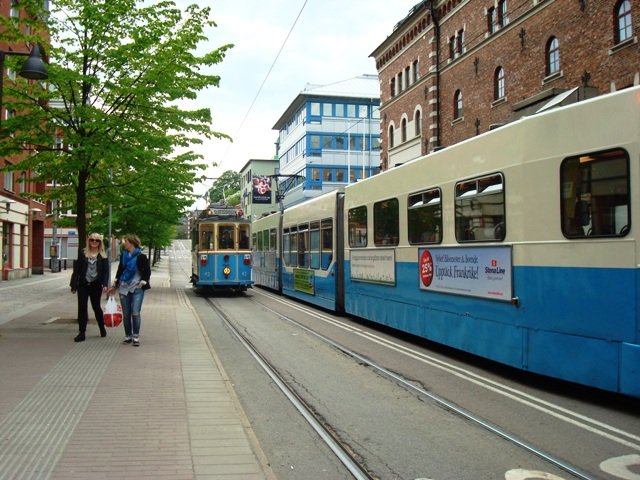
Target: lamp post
point(33, 68)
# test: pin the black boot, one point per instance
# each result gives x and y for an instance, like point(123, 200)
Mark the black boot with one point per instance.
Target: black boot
point(79, 337)
point(103, 331)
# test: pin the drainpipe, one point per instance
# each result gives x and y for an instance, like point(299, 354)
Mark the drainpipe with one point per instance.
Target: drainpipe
point(436, 29)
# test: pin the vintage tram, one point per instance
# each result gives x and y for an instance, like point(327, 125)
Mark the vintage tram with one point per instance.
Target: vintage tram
point(221, 249)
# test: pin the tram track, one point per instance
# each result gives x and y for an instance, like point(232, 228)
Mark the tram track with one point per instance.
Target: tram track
point(342, 451)
point(591, 425)
point(349, 453)
point(325, 431)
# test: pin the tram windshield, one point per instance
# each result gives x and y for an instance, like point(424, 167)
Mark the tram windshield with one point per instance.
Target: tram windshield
point(223, 236)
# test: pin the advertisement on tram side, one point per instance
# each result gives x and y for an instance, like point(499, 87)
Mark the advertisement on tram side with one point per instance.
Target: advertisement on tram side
point(474, 271)
point(375, 266)
point(304, 280)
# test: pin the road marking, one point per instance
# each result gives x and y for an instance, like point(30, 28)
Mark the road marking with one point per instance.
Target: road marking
point(586, 423)
point(620, 467)
point(522, 474)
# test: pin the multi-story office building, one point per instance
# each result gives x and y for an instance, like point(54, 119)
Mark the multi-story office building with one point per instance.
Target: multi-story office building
point(452, 69)
point(329, 136)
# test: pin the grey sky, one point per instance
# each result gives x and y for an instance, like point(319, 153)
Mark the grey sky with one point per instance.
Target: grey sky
point(330, 42)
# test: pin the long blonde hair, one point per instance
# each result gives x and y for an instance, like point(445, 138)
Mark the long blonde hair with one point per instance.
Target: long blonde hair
point(101, 250)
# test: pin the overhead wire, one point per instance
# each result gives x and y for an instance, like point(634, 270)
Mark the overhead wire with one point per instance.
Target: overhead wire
point(255, 98)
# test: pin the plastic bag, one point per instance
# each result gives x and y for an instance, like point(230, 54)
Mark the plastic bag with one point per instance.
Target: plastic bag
point(112, 313)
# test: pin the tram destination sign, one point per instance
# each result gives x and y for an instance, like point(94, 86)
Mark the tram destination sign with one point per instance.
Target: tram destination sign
point(473, 271)
point(223, 211)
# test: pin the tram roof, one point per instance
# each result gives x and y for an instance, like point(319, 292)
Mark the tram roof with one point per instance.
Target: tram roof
point(222, 212)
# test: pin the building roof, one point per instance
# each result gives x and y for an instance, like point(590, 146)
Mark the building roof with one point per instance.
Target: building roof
point(398, 26)
point(362, 87)
point(258, 160)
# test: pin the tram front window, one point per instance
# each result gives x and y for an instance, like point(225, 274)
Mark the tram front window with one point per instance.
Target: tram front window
point(225, 238)
point(244, 238)
point(206, 241)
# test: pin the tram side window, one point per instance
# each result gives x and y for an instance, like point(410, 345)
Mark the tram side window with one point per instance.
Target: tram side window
point(260, 244)
point(303, 245)
point(265, 240)
point(225, 237)
point(595, 197)
point(194, 239)
point(314, 245)
point(293, 255)
point(272, 240)
point(244, 236)
point(327, 243)
point(386, 224)
point(254, 238)
point(206, 237)
point(424, 215)
point(358, 227)
point(480, 211)
point(286, 247)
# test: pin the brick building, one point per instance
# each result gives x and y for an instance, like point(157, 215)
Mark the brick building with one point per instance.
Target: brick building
point(452, 69)
point(22, 218)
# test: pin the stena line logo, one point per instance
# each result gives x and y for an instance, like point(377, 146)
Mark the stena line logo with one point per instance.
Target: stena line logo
point(426, 268)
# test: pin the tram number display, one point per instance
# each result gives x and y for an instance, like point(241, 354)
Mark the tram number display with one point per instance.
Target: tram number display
point(474, 271)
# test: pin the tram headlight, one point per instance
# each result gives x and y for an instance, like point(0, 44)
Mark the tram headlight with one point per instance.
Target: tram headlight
point(226, 271)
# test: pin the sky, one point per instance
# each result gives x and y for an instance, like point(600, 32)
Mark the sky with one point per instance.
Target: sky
point(328, 41)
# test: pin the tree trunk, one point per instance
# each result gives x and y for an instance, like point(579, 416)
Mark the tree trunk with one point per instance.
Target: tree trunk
point(81, 208)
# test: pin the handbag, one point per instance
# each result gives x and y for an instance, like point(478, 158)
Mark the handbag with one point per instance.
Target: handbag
point(112, 313)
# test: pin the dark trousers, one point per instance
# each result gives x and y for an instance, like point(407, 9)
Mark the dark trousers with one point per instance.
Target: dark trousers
point(86, 292)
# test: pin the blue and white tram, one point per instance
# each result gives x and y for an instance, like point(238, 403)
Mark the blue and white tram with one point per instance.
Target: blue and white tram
point(266, 248)
point(221, 249)
point(518, 245)
point(299, 253)
point(312, 262)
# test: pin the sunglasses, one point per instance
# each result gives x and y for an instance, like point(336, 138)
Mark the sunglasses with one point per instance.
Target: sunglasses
point(94, 240)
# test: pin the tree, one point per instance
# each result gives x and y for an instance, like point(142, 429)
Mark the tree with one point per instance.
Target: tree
point(226, 185)
point(119, 77)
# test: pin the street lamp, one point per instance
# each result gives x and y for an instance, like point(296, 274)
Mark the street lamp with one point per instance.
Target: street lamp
point(7, 204)
point(33, 68)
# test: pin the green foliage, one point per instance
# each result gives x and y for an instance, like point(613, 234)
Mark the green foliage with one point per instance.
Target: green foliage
point(234, 199)
point(120, 75)
point(226, 185)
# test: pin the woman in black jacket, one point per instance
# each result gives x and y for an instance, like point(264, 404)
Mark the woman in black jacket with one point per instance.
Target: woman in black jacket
point(90, 278)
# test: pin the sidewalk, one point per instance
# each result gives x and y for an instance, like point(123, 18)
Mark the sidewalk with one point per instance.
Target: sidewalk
point(103, 410)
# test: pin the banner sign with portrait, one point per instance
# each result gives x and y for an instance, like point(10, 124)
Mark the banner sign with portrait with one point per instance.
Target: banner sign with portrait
point(474, 271)
point(261, 189)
